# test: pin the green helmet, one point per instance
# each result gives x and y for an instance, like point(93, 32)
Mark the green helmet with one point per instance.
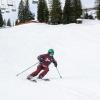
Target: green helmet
point(51, 51)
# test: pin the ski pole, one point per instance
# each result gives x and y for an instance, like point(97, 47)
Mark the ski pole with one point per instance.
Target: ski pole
point(58, 72)
point(26, 69)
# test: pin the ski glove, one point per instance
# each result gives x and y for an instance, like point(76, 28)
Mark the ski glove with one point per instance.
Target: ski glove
point(55, 63)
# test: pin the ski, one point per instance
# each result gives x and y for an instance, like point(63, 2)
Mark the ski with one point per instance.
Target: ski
point(36, 80)
point(46, 79)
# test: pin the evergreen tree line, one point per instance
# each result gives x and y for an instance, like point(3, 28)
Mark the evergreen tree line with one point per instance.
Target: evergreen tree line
point(56, 15)
point(69, 14)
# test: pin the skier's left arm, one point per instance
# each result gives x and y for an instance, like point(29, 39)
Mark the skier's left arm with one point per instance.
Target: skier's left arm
point(54, 62)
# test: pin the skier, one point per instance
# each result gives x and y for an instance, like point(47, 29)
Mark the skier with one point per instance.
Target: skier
point(44, 61)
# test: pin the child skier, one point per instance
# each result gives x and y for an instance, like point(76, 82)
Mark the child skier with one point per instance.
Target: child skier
point(44, 62)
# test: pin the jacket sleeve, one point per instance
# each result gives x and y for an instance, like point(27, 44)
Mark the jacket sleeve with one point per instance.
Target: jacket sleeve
point(40, 58)
point(54, 62)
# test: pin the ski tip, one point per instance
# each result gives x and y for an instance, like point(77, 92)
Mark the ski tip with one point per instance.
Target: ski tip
point(32, 80)
point(46, 79)
point(17, 75)
point(61, 77)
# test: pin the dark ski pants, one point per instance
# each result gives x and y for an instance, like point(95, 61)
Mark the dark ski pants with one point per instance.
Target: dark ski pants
point(40, 68)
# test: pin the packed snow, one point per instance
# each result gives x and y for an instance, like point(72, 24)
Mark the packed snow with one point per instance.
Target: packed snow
point(77, 51)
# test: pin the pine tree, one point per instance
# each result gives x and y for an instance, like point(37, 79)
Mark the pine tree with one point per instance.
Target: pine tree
point(21, 12)
point(98, 9)
point(72, 10)
point(1, 19)
point(27, 13)
point(40, 11)
point(46, 12)
point(67, 12)
point(55, 12)
point(77, 9)
point(43, 13)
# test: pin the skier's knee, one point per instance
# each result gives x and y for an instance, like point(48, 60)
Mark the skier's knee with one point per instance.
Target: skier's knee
point(34, 74)
point(47, 69)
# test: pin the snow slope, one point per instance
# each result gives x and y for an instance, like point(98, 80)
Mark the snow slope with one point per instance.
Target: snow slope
point(77, 50)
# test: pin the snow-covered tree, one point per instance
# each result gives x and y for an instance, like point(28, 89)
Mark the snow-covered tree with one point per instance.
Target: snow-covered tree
point(9, 22)
point(1, 19)
point(21, 11)
point(72, 10)
point(42, 13)
point(77, 8)
point(67, 12)
point(27, 13)
point(46, 12)
point(55, 12)
point(24, 13)
point(98, 8)
point(4, 21)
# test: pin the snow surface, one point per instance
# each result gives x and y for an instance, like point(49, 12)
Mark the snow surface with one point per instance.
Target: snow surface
point(77, 50)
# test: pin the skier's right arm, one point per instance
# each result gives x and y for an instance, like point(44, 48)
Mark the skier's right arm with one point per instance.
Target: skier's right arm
point(40, 58)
